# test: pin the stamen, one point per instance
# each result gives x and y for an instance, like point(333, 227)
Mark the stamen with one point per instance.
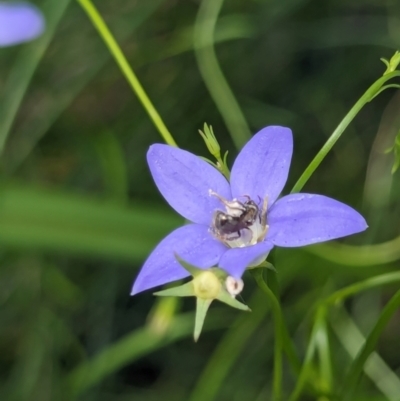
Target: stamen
point(263, 219)
point(233, 207)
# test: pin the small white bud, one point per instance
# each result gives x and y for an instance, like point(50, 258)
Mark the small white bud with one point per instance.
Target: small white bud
point(234, 285)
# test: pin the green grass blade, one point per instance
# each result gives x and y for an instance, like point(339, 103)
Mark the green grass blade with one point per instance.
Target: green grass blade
point(25, 66)
point(32, 218)
point(133, 346)
point(352, 378)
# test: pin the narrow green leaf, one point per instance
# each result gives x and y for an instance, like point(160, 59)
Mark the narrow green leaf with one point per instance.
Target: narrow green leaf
point(25, 66)
point(33, 218)
point(130, 348)
point(352, 340)
point(23, 141)
point(352, 378)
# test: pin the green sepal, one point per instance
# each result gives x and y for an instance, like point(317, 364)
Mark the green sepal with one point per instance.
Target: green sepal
point(231, 301)
point(268, 265)
point(195, 271)
point(221, 274)
point(202, 306)
point(209, 162)
point(184, 290)
point(265, 265)
point(191, 269)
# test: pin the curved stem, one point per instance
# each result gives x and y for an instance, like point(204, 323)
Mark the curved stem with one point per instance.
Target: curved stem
point(369, 94)
point(362, 255)
point(377, 281)
point(126, 69)
point(129, 348)
point(212, 74)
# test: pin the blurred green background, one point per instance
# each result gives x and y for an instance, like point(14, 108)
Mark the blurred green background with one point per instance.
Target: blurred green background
point(79, 212)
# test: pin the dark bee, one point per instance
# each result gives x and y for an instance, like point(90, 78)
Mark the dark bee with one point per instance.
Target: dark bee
point(228, 227)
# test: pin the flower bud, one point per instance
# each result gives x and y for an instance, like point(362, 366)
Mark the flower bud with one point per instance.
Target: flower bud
point(392, 64)
point(211, 141)
point(206, 285)
point(234, 285)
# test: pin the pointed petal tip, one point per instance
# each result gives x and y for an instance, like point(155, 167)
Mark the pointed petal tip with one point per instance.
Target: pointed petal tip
point(262, 166)
point(304, 219)
point(359, 223)
point(135, 290)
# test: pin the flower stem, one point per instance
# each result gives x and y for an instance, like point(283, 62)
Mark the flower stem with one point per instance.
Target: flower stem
point(373, 282)
point(212, 74)
point(128, 349)
point(277, 313)
point(361, 255)
point(376, 88)
point(126, 69)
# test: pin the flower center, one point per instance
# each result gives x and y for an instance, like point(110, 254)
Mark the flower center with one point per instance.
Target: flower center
point(242, 224)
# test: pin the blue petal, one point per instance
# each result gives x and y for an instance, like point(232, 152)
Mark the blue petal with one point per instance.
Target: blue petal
point(236, 260)
point(261, 168)
point(19, 22)
point(185, 181)
point(304, 219)
point(192, 242)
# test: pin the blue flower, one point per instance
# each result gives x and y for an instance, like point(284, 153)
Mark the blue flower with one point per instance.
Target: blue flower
point(235, 225)
point(19, 22)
